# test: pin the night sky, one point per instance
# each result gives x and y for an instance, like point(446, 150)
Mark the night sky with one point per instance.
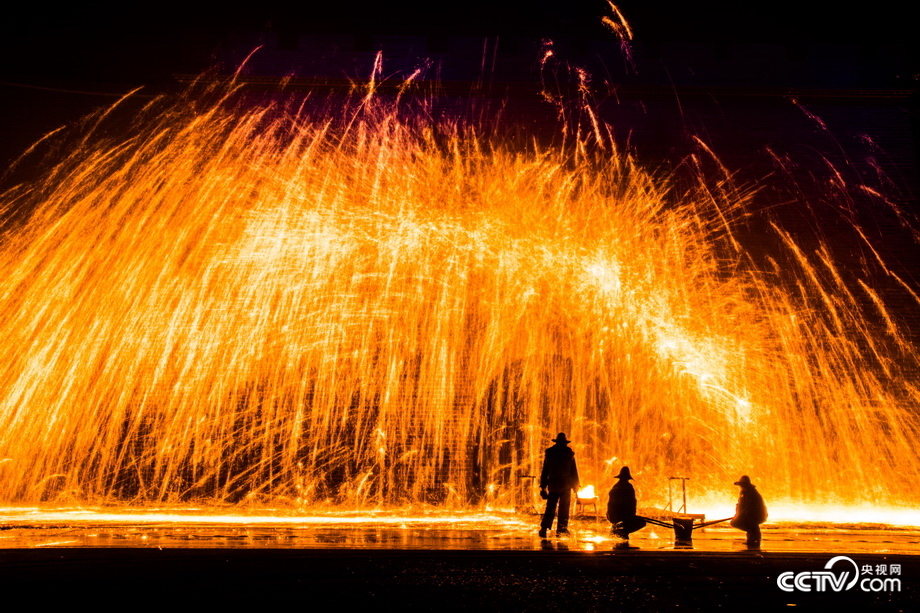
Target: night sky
point(90, 47)
point(60, 65)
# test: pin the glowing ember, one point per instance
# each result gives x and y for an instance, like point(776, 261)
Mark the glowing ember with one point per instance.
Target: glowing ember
point(587, 492)
point(361, 308)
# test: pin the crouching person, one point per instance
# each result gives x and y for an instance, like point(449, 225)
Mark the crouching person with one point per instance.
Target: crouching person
point(621, 507)
point(750, 511)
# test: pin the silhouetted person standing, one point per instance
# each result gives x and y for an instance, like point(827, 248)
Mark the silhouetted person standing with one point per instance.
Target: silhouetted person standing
point(558, 480)
point(750, 511)
point(621, 507)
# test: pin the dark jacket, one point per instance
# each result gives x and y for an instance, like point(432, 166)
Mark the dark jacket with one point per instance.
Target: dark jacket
point(750, 511)
point(621, 505)
point(559, 471)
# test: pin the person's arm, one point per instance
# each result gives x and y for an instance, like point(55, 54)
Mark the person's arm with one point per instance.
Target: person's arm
point(544, 477)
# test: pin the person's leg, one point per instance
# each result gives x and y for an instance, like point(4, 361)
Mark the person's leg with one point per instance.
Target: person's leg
point(634, 524)
point(622, 529)
point(753, 535)
point(565, 505)
point(550, 514)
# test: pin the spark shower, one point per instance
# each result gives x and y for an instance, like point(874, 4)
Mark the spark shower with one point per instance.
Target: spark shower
point(367, 306)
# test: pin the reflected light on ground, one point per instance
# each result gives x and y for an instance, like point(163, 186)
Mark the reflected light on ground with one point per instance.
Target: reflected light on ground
point(779, 513)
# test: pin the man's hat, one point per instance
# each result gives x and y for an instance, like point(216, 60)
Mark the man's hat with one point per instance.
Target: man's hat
point(624, 474)
point(744, 480)
point(560, 438)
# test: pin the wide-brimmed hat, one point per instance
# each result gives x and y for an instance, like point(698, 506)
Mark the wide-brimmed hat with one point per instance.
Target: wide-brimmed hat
point(624, 474)
point(560, 438)
point(744, 480)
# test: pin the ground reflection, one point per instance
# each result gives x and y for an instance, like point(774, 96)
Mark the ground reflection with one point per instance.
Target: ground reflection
point(35, 528)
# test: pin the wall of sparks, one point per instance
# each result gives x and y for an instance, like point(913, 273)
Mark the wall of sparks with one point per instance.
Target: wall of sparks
point(361, 307)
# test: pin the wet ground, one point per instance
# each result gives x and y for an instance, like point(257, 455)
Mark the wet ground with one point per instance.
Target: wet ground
point(447, 562)
point(34, 528)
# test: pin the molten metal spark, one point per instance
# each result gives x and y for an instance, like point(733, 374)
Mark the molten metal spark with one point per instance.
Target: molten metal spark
point(362, 307)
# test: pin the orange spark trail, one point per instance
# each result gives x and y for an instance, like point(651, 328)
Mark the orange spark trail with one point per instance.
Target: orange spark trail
point(362, 307)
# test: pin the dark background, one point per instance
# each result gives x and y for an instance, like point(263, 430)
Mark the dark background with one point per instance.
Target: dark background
point(60, 64)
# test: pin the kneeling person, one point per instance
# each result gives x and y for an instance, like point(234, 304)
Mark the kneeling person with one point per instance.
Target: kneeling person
point(621, 507)
point(750, 511)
